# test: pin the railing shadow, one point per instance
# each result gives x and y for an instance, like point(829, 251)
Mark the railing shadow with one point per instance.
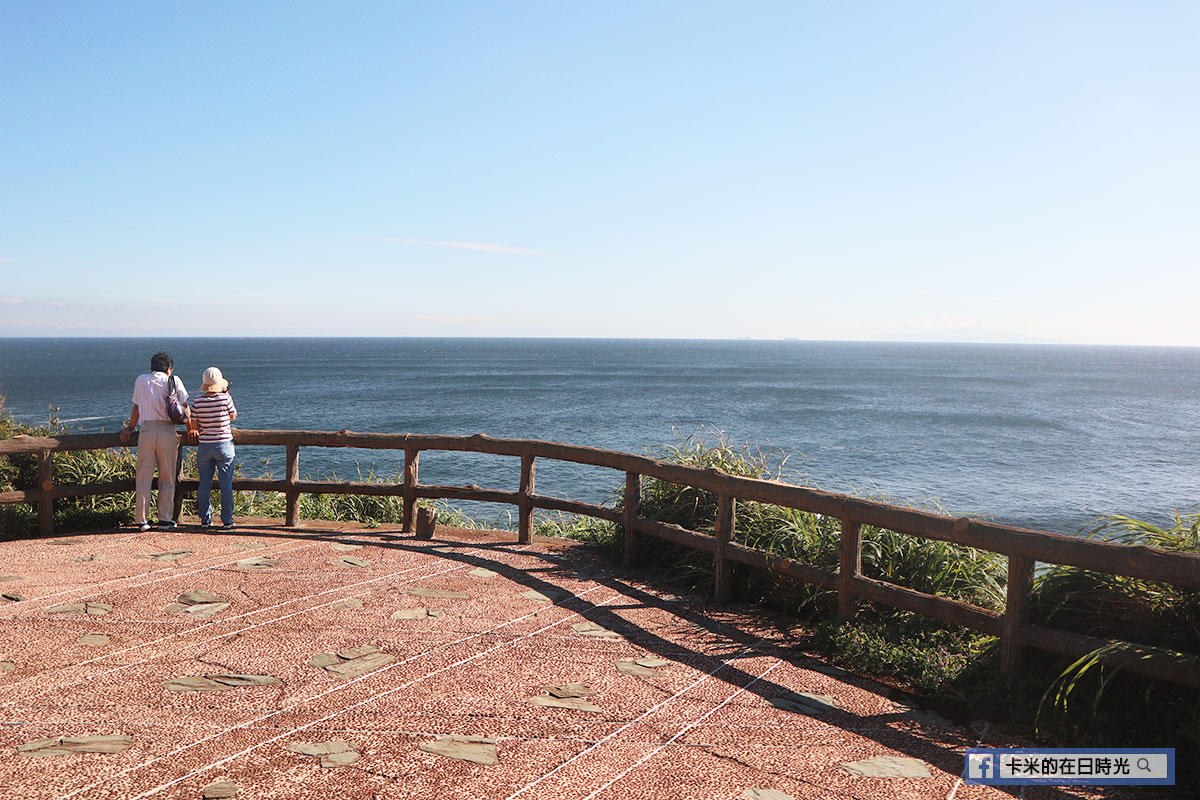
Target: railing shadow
point(730, 643)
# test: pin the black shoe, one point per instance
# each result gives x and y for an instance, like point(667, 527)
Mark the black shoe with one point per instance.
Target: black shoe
point(165, 525)
point(227, 525)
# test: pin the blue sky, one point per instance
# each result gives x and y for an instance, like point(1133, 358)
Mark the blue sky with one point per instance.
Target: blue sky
point(1014, 172)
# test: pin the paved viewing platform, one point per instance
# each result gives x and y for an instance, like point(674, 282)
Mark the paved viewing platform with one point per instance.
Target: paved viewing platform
point(336, 661)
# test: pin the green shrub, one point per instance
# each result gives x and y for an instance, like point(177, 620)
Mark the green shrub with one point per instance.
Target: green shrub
point(82, 466)
point(579, 528)
point(940, 568)
point(1130, 609)
point(1088, 700)
point(930, 659)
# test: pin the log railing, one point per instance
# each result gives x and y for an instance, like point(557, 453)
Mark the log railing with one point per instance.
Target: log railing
point(1023, 548)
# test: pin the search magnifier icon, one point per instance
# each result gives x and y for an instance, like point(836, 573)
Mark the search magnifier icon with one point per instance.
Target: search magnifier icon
point(1143, 764)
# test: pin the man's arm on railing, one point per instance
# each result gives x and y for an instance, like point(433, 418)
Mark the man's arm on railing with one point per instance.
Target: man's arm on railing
point(128, 430)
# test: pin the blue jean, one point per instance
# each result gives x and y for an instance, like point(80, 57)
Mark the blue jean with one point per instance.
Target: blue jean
point(215, 457)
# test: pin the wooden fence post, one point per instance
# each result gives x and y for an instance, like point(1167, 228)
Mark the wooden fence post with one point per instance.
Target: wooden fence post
point(46, 503)
point(849, 567)
point(1016, 612)
point(726, 511)
point(426, 523)
point(524, 504)
point(292, 495)
point(633, 499)
point(177, 500)
point(411, 460)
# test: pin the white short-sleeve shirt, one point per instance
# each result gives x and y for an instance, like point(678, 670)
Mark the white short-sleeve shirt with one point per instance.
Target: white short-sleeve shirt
point(150, 396)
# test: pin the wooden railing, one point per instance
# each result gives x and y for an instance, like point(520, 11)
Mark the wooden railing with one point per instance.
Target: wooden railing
point(1023, 548)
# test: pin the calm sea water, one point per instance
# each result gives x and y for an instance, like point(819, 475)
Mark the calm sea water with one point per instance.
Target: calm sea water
point(1041, 436)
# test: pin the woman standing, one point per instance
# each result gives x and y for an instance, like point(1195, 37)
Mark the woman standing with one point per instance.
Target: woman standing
point(212, 413)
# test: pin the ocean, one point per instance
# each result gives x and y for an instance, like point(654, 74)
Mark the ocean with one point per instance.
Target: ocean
point(1041, 436)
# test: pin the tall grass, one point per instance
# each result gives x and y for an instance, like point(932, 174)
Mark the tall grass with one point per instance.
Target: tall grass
point(84, 466)
point(1159, 618)
point(1126, 608)
point(940, 568)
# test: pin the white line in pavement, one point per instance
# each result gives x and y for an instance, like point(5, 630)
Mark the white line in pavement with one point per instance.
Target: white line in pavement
point(371, 699)
point(954, 790)
point(93, 589)
point(671, 741)
point(635, 721)
point(205, 626)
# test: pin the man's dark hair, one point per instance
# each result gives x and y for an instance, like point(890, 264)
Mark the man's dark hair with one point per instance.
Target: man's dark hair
point(160, 362)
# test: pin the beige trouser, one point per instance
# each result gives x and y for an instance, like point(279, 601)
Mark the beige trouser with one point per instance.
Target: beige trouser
point(158, 446)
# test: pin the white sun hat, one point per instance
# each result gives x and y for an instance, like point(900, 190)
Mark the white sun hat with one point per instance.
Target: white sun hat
point(213, 381)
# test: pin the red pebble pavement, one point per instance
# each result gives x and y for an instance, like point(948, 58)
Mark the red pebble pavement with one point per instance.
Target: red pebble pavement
point(699, 726)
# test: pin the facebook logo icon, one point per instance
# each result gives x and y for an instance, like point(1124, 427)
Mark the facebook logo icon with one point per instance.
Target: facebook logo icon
point(981, 766)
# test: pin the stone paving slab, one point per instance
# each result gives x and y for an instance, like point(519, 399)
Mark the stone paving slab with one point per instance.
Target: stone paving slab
point(672, 701)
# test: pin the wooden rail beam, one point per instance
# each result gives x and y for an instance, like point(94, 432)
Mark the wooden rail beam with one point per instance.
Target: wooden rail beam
point(1174, 668)
point(348, 487)
point(471, 492)
point(676, 535)
point(85, 441)
point(239, 485)
point(928, 605)
point(574, 507)
point(781, 565)
point(1137, 561)
point(94, 489)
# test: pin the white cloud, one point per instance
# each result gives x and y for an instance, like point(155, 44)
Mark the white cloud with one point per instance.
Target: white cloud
point(7, 260)
point(477, 246)
point(11, 301)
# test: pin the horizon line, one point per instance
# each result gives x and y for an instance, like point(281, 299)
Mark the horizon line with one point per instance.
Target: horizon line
point(795, 340)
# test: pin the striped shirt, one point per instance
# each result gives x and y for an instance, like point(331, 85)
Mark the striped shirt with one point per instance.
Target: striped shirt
point(212, 412)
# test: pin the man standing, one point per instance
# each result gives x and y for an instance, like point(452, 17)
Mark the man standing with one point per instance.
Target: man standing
point(158, 445)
